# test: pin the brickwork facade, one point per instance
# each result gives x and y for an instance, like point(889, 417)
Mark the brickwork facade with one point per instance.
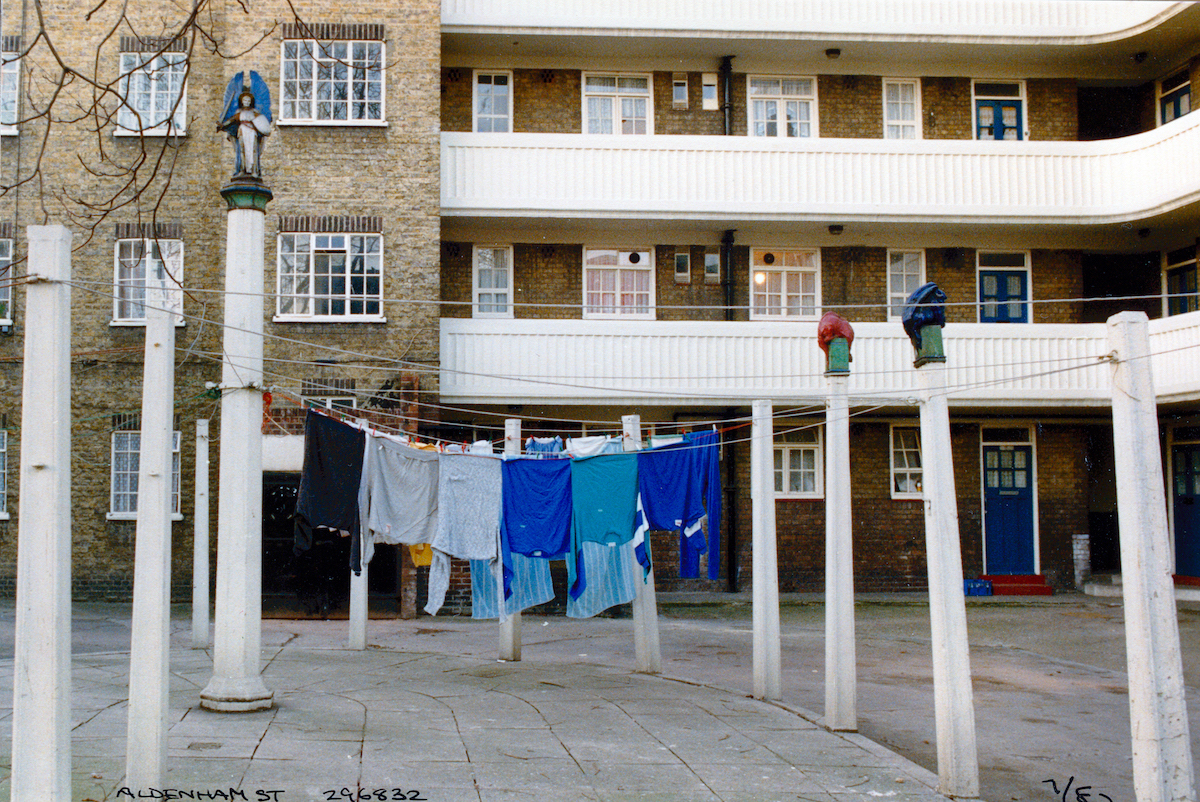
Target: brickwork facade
point(1053, 109)
point(946, 108)
point(313, 170)
point(851, 106)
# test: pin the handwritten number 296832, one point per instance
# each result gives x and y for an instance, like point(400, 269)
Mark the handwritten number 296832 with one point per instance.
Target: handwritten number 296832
point(384, 794)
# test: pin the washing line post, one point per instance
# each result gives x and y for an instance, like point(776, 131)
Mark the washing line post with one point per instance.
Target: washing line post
point(359, 604)
point(646, 644)
point(1158, 718)
point(150, 635)
point(41, 717)
point(510, 627)
point(841, 709)
point(200, 543)
point(768, 678)
point(954, 709)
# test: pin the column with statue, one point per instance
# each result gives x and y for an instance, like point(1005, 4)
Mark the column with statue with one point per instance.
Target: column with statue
point(236, 684)
point(954, 710)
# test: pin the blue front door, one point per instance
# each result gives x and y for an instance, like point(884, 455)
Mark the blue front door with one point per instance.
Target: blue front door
point(998, 119)
point(1008, 509)
point(1186, 472)
point(1001, 296)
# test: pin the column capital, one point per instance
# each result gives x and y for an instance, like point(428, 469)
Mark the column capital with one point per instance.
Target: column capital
point(247, 193)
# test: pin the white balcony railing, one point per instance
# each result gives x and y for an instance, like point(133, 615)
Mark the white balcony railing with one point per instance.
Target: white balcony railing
point(713, 177)
point(1067, 22)
point(715, 363)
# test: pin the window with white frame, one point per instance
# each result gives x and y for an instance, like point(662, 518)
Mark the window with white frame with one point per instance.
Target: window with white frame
point(901, 109)
point(784, 282)
point(906, 272)
point(906, 462)
point(999, 109)
point(618, 283)
point(10, 89)
point(493, 102)
point(683, 266)
point(147, 271)
point(784, 107)
point(617, 104)
point(1174, 97)
point(1180, 273)
point(3, 474)
point(153, 96)
point(799, 462)
point(126, 448)
point(330, 276)
point(6, 314)
point(492, 282)
point(332, 82)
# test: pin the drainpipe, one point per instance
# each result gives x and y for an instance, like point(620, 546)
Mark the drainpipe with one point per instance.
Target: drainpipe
point(729, 482)
point(727, 83)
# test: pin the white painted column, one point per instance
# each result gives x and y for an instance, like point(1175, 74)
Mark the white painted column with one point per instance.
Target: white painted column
point(646, 644)
point(236, 684)
point(841, 708)
point(358, 608)
point(954, 711)
point(1162, 756)
point(41, 718)
point(510, 628)
point(768, 678)
point(150, 637)
point(359, 604)
point(200, 544)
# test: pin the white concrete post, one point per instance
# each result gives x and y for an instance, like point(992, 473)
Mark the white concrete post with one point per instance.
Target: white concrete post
point(768, 678)
point(200, 567)
point(41, 718)
point(954, 711)
point(1162, 757)
point(150, 638)
point(236, 684)
point(359, 604)
point(841, 708)
point(510, 627)
point(645, 605)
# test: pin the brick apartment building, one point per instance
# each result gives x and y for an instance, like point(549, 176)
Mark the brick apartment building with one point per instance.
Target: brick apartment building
point(577, 213)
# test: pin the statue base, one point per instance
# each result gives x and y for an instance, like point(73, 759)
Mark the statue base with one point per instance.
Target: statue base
point(931, 346)
point(838, 361)
point(247, 192)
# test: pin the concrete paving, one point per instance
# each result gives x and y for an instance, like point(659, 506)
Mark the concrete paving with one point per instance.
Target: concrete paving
point(403, 723)
point(1049, 686)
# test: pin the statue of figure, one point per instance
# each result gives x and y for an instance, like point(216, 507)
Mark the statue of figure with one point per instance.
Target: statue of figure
point(925, 307)
point(247, 121)
point(833, 325)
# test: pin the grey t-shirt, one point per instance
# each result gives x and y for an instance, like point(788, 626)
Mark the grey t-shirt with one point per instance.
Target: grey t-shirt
point(398, 495)
point(468, 525)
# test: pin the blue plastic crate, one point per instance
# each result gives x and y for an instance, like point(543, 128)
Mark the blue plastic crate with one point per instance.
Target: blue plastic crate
point(977, 587)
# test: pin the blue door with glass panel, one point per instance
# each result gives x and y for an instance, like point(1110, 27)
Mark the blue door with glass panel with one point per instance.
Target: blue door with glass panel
point(1186, 473)
point(998, 119)
point(1008, 509)
point(1002, 296)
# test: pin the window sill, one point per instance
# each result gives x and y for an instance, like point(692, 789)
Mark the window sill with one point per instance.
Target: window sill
point(618, 316)
point(799, 496)
point(132, 516)
point(126, 133)
point(908, 496)
point(129, 324)
point(4, 516)
point(9, 130)
point(486, 316)
point(329, 319)
point(332, 123)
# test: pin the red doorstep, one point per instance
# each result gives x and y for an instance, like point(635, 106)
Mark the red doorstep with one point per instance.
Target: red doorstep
point(1019, 585)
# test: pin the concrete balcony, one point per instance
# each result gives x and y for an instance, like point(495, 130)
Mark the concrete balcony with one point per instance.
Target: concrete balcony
point(713, 178)
point(882, 18)
point(670, 363)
